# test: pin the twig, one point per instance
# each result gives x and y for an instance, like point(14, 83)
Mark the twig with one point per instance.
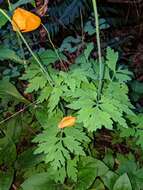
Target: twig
point(53, 46)
point(17, 113)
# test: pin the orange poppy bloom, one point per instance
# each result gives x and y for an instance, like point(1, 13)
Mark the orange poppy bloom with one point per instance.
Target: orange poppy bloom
point(68, 121)
point(25, 21)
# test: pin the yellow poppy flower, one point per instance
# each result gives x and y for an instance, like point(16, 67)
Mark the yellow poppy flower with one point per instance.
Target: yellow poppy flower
point(25, 21)
point(68, 121)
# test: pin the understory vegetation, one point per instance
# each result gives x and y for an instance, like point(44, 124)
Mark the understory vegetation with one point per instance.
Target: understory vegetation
point(71, 109)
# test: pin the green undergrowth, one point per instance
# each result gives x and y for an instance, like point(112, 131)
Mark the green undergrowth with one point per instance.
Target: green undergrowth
point(103, 151)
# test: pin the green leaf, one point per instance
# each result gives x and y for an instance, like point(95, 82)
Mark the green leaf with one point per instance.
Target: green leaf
point(58, 155)
point(3, 21)
point(59, 175)
point(139, 135)
point(72, 169)
point(43, 118)
point(70, 44)
point(55, 152)
point(36, 83)
point(113, 111)
point(57, 145)
point(109, 179)
point(86, 177)
point(137, 120)
point(81, 59)
point(73, 145)
point(88, 50)
point(54, 98)
point(7, 151)
point(118, 92)
point(139, 177)
point(103, 24)
point(90, 169)
point(129, 165)
point(126, 132)
point(94, 118)
point(137, 87)
point(81, 103)
point(8, 54)
point(112, 58)
point(47, 57)
point(98, 185)
point(123, 183)
point(109, 159)
point(111, 108)
point(98, 119)
point(123, 75)
point(8, 89)
point(31, 72)
point(77, 133)
point(89, 28)
point(44, 94)
point(27, 159)
point(53, 148)
point(14, 128)
point(69, 80)
point(39, 182)
point(6, 179)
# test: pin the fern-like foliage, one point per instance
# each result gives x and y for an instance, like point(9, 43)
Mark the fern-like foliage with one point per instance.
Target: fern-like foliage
point(135, 129)
point(75, 93)
point(112, 107)
point(80, 94)
point(60, 146)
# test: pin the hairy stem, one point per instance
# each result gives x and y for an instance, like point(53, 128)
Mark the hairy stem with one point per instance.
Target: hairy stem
point(99, 50)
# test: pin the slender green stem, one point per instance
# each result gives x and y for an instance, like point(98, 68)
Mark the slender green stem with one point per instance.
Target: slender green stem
point(18, 38)
point(9, 4)
point(99, 50)
point(37, 60)
point(82, 34)
point(30, 50)
point(53, 46)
